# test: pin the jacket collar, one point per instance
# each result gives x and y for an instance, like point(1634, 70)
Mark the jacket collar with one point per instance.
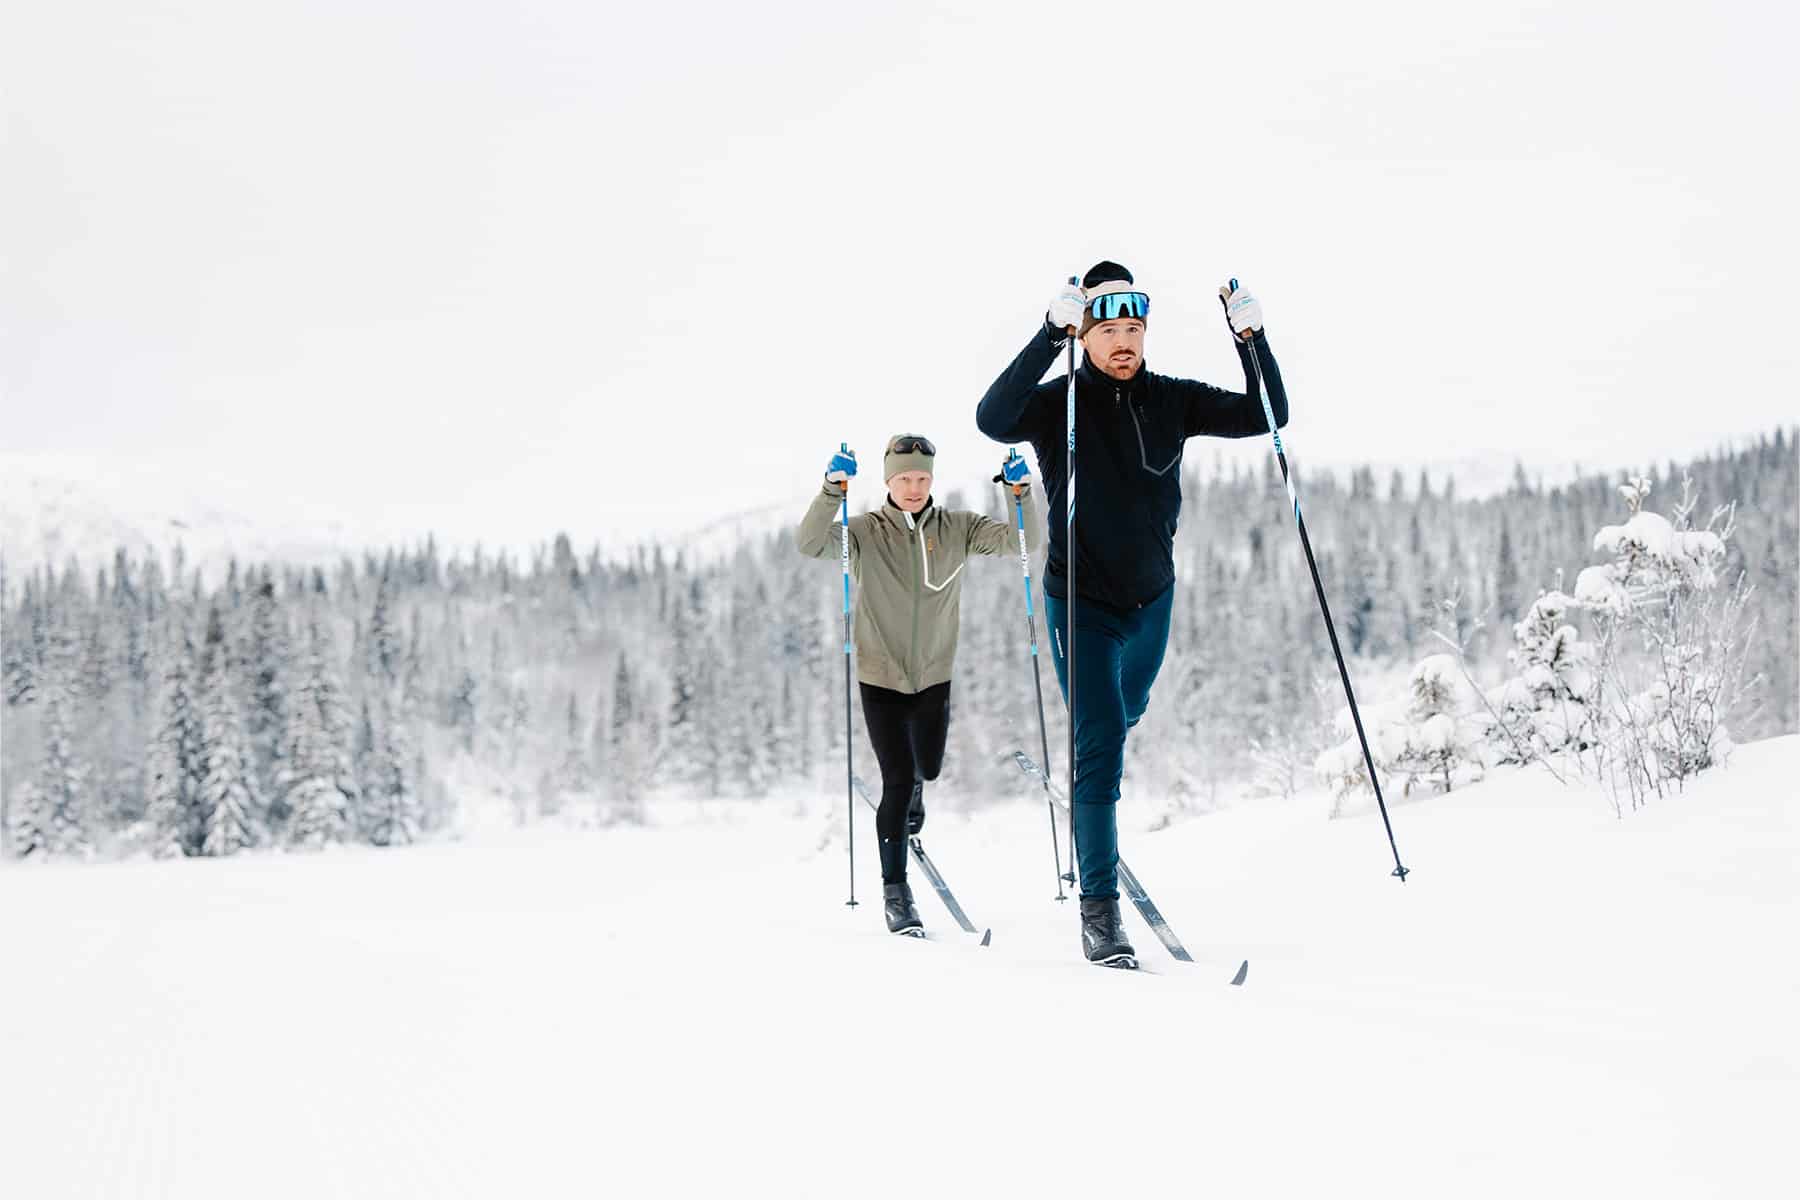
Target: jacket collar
point(896, 516)
point(1087, 376)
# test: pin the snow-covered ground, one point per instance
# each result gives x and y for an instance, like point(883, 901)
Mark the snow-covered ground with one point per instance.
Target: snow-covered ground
point(1559, 1003)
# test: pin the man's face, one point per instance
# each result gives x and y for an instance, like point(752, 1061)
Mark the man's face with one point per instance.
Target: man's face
point(910, 489)
point(1116, 347)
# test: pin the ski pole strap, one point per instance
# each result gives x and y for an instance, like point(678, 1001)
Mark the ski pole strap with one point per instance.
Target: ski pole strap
point(1025, 561)
point(845, 557)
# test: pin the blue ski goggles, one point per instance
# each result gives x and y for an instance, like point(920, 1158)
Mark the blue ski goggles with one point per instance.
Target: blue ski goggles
point(1114, 305)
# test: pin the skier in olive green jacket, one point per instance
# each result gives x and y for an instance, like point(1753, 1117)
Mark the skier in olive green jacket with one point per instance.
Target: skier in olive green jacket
point(907, 558)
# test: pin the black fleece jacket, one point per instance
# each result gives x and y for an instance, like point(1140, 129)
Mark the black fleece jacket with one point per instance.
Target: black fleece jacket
point(1129, 438)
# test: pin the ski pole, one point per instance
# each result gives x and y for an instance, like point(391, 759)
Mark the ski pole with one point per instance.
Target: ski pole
point(1069, 542)
point(1037, 679)
point(1312, 564)
point(849, 769)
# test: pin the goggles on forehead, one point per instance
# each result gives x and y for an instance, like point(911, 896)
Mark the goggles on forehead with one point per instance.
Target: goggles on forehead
point(912, 443)
point(1114, 305)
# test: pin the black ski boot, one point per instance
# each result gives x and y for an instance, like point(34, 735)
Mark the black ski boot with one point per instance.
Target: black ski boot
point(902, 917)
point(1103, 934)
point(915, 812)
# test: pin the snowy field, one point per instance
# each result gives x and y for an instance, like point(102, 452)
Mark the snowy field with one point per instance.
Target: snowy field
point(1559, 1003)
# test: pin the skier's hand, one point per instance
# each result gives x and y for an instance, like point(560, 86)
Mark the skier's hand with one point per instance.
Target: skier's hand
point(1243, 310)
point(1015, 470)
point(1064, 314)
point(843, 466)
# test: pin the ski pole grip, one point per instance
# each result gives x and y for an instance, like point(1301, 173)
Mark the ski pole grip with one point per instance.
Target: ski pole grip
point(1074, 281)
point(1224, 303)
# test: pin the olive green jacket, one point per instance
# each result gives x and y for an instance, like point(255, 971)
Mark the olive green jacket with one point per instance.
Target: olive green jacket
point(908, 573)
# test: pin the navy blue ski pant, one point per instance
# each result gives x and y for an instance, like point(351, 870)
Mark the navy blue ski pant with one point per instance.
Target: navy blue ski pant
point(1117, 656)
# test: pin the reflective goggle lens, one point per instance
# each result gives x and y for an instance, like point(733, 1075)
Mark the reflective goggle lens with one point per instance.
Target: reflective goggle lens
point(912, 443)
point(1114, 305)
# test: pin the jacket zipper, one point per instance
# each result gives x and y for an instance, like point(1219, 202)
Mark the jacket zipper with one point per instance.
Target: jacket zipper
point(912, 655)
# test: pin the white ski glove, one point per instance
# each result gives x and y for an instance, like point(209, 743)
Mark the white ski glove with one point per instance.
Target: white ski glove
point(1066, 307)
point(1243, 310)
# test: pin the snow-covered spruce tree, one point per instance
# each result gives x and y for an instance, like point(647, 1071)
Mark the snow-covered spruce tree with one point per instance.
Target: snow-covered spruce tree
point(690, 662)
point(171, 823)
point(1442, 741)
point(316, 775)
point(1506, 575)
point(381, 643)
point(1672, 647)
point(1546, 707)
point(390, 789)
point(268, 656)
point(569, 787)
point(228, 791)
point(25, 640)
point(632, 744)
point(465, 709)
point(63, 779)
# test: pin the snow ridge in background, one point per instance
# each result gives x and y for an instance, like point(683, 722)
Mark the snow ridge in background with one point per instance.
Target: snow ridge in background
point(54, 509)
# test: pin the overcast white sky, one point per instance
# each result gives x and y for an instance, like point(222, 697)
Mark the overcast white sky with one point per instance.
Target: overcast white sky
point(500, 269)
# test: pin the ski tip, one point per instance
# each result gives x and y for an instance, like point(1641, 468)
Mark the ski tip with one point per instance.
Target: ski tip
point(986, 936)
point(1243, 970)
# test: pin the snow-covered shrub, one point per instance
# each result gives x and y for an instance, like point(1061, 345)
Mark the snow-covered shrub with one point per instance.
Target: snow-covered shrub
point(1546, 708)
point(1672, 644)
point(1652, 557)
point(1282, 758)
point(28, 830)
point(1428, 737)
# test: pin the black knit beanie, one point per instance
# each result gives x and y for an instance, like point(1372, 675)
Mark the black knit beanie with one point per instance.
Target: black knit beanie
point(1105, 272)
point(1104, 277)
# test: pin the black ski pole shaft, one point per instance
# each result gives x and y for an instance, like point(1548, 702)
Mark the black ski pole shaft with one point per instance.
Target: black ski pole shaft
point(1069, 644)
point(1400, 872)
point(849, 766)
point(1037, 680)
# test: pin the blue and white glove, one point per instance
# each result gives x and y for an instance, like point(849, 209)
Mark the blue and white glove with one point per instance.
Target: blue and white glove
point(1066, 308)
point(1243, 310)
point(1015, 470)
point(842, 468)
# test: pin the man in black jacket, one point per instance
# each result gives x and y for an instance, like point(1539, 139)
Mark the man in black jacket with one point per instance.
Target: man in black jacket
point(1131, 426)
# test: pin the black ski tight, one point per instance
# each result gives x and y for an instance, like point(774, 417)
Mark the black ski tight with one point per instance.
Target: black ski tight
point(908, 732)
